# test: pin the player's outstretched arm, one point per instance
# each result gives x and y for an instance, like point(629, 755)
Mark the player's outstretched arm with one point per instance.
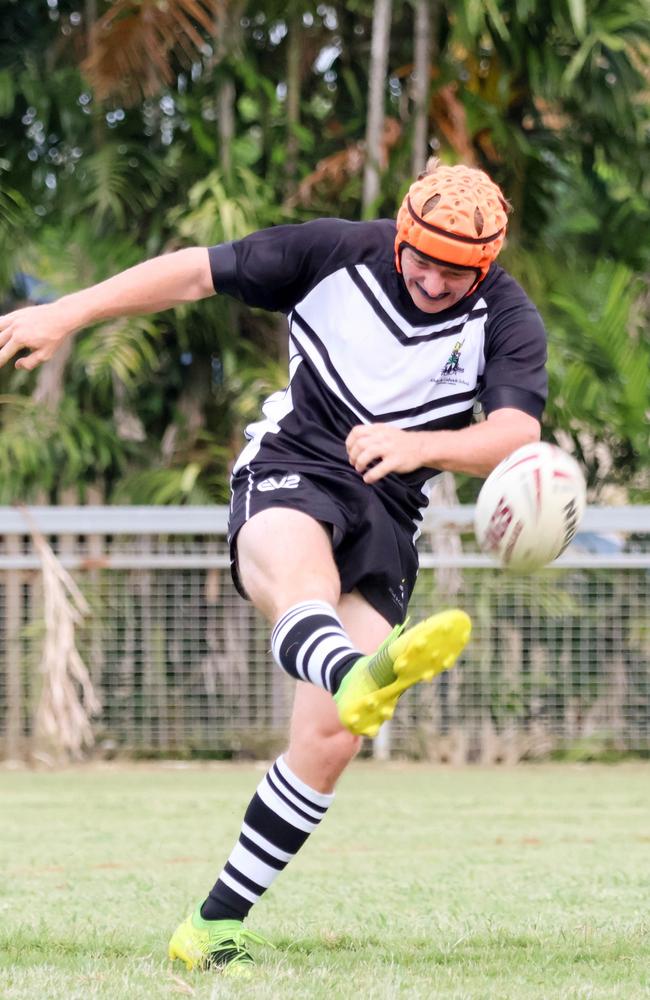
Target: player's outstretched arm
point(160, 283)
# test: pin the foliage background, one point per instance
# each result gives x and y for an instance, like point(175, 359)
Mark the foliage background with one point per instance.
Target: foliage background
point(132, 127)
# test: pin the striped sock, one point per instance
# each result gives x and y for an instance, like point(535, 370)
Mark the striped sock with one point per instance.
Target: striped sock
point(281, 815)
point(310, 643)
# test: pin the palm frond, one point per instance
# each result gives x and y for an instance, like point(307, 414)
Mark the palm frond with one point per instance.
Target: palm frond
point(179, 485)
point(42, 449)
point(75, 254)
point(15, 216)
point(7, 92)
point(122, 179)
point(125, 349)
point(132, 43)
point(218, 213)
point(25, 459)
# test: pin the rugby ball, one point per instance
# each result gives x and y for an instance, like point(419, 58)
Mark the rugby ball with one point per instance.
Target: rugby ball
point(529, 507)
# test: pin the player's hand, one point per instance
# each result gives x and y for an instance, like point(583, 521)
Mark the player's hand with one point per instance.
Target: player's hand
point(392, 449)
point(38, 329)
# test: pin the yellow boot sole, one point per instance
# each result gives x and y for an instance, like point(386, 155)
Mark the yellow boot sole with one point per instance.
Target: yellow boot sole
point(419, 654)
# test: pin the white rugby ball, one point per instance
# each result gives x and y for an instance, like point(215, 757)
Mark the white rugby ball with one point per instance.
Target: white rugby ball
point(529, 507)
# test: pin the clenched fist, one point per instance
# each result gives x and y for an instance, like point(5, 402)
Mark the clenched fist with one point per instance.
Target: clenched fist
point(392, 449)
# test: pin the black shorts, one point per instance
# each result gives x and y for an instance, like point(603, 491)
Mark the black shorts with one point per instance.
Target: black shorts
point(373, 552)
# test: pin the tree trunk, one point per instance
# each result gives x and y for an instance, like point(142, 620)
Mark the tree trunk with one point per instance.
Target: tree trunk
point(374, 129)
point(90, 11)
point(90, 20)
point(421, 75)
point(226, 123)
point(227, 46)
point(293, 97)
point(50, 381)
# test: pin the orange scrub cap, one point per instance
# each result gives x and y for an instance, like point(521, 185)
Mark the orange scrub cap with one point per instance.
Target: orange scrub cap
point(455, 215)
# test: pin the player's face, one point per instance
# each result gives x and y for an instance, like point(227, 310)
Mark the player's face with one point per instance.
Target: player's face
point(434, 287)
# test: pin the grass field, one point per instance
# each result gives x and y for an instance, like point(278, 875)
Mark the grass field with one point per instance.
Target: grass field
point(422, 882)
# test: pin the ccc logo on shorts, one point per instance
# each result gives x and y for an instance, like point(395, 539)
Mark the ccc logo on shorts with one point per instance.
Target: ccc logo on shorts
point(289, 482)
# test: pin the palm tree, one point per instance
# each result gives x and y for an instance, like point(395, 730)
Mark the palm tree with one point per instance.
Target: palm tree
point(376, 104)
point(421, 81)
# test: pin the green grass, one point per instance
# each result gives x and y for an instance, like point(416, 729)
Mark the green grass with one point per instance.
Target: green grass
point(422, 882)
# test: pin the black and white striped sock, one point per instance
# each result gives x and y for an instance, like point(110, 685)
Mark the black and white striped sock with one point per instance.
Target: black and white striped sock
point(310, 643)
point(281, 815)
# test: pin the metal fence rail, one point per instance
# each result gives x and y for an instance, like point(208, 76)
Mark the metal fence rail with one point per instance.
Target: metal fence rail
point(182, 665)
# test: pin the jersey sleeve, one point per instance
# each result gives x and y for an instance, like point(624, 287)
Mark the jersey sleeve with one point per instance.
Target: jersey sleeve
point(515, 356)
point(275, 268)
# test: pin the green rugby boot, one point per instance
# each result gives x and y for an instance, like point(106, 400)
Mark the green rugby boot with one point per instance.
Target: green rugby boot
point(370, 691)
point(214, 944)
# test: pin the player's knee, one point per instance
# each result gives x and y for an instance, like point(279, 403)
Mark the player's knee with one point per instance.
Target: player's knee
point(343, 746)
point(333, 749)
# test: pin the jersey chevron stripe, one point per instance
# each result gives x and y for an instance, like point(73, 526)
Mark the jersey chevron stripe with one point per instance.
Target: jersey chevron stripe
point(431, 325)
point(434, 333)
point(343, 390)
point(451, 403)
point(276, 406)
point(435, 404)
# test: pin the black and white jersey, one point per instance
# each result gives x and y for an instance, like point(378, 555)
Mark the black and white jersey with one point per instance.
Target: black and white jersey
point(362, 352)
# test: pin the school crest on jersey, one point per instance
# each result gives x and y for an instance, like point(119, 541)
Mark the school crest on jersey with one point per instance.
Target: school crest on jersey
point(452, 371)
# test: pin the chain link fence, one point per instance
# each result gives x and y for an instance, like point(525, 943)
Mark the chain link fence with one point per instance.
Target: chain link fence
point(182, 667)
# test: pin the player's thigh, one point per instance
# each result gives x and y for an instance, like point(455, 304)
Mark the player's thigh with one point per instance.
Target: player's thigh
point(284, 556)
point(366, 627)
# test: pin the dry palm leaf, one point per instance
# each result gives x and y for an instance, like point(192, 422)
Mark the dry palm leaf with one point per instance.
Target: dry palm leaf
point(131, 45)
point(448, 115)
point(333, 172)
point(67, 700)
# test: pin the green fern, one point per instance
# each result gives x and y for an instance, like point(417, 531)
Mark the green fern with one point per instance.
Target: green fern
point(122, 180)
point(178, 485)
point(126, 349)
point(219, 212)
point(48, 450)
point(15, 222)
